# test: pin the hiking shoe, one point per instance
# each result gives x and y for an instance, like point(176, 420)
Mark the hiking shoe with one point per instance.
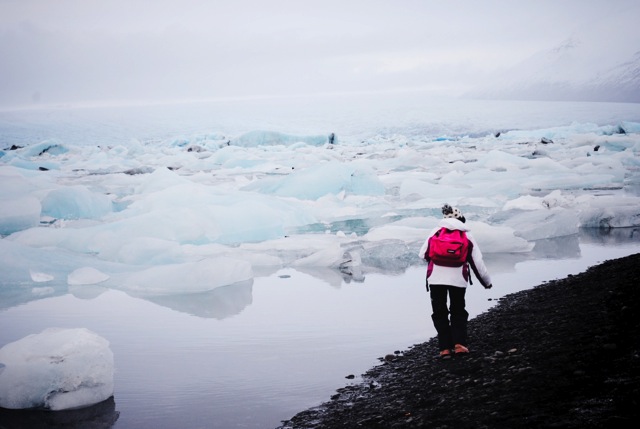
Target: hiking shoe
point(460, 349)
point(445, 354)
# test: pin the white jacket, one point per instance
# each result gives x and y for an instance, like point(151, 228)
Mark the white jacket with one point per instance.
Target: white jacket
point(452, 276)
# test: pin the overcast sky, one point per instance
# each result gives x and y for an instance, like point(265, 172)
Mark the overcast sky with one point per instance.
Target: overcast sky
point(54, 51)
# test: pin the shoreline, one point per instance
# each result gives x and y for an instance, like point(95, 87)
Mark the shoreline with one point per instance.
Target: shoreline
point(565, 353)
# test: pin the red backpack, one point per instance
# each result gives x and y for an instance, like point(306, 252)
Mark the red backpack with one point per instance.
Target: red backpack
point(448, 247)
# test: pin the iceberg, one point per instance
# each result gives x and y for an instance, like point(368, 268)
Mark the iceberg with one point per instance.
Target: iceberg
point(75, 202)
point(57, 369)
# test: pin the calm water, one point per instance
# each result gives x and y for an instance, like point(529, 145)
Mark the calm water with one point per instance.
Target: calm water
point(251, 355)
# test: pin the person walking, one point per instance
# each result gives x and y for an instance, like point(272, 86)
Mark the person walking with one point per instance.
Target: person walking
point(450, 280)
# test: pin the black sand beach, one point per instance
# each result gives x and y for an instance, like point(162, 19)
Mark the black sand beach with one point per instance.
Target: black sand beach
point(565, 354)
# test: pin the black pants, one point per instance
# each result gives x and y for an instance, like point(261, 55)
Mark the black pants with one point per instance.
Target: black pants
point(454, 331)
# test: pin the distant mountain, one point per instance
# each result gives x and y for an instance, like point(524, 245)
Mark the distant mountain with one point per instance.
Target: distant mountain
point(619, 83)
point(594, 66)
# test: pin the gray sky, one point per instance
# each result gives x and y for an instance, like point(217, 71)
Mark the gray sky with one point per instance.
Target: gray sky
point(59, 51)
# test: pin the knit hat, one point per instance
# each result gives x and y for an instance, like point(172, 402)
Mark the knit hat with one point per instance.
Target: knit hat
point(448, 211)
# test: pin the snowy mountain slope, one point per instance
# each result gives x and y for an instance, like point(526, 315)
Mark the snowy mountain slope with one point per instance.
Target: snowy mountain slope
point(599, 62)
point(564, 73)
point(620, 83)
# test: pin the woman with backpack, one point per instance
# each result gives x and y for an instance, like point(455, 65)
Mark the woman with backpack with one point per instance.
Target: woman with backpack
point(450, 251)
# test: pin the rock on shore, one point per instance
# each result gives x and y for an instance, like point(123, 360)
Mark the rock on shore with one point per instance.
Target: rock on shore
point(565, 354)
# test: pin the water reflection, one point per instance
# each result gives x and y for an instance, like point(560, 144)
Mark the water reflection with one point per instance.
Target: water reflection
point(559, 248)
point(87, 291)
point(610, 236)
point(14, 295)
point(331, 276)
point(98, 416)
point(567, 247)
point(219, 303)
